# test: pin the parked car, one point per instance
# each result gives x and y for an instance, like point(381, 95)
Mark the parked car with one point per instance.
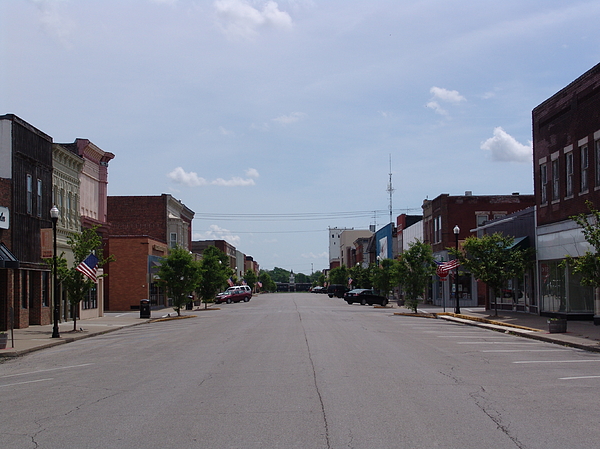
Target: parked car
point(318, 289)
point(337, 290)
point(234, 294)
point(365, 296)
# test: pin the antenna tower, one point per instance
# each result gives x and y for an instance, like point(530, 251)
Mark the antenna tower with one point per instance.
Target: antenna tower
point(390, 189)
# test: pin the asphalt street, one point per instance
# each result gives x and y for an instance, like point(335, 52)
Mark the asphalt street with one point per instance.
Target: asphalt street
point(301, 371)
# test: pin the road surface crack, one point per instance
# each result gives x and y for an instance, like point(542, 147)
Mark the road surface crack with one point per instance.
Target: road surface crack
point(314, 372)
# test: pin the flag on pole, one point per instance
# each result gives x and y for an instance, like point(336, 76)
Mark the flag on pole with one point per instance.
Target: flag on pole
point(89, 267)
point(444, 268)
point(230, 282)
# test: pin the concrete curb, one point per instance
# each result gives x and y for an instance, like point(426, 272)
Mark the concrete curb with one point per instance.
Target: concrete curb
point(526, 332)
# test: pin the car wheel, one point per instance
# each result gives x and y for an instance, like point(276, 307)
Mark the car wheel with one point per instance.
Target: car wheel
point(349, 302)
point(228, 300)
point(246, 299)
point(384, 302)
point(363, 302)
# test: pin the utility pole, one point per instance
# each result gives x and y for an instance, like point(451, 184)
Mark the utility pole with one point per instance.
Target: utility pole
point(390, 189)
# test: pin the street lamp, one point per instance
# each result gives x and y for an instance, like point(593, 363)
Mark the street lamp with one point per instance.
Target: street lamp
point(457, 309)
point(54, 213)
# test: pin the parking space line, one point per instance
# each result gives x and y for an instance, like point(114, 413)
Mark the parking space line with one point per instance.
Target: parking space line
point(26, 382)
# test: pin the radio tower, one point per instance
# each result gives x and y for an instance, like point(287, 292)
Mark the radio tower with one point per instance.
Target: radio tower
point(390, 189)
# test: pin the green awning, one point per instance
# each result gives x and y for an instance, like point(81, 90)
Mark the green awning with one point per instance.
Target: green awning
point(7, 259)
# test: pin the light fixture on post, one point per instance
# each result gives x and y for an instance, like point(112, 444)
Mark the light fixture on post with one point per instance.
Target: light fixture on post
point(457, 308)
point(54, 213)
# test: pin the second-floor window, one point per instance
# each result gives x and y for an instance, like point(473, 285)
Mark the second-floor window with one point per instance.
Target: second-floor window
point(39, 198)
point(583, 151)
point(569, 173)
point(173, 240)
point(555, 179)
point(544, 182)
point(597, 154)
point(29, 194)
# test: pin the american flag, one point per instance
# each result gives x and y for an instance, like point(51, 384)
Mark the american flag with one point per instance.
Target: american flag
point(230, 282)
point(89, 267)
point(444, 268)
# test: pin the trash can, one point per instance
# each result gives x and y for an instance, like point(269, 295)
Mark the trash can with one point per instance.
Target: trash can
point(144, 308)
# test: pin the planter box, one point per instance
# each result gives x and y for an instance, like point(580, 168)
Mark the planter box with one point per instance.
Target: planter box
point(557, 326)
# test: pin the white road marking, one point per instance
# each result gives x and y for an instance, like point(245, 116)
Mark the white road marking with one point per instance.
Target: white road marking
point(579, 377)
point(45, 370)
point(524, 350)
point(26, 382)
point(557, 361)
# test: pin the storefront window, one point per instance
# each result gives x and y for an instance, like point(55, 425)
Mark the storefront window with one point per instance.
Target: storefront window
point(561, 291)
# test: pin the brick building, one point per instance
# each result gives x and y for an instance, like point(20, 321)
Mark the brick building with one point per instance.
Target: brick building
point(132, 273)
point(26, 200)
point(142, 229)
point(468, 211)
point(566, 150)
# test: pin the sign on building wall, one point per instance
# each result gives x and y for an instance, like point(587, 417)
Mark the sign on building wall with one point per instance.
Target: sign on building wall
point(4, 218)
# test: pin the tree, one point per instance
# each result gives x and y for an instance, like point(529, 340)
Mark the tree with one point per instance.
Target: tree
point(382, 276)
point(339, 275)
point(267, 283)
point(414, 272)
point(214, 272)
point(250, 278)
point(588, 265)
point(77, 285)
point(493, 260)
point(181, 275)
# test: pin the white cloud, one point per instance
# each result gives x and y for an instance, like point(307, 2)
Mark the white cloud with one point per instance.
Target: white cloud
point(225, 132)
point(436, 107)
point(505, 148)
point(292, 118)
point(238, 18)
point(53, 22)
point(217, 233)
point(233, 182)
point(252, 173)
point(191, 179)
point(323, 255)
point(451, 96)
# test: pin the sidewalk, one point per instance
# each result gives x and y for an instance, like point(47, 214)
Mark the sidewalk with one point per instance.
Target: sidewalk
point(580, 334)
point(34, 338)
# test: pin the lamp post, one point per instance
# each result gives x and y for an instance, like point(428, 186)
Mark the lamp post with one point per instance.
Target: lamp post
point(54, 213)
point(457, 308)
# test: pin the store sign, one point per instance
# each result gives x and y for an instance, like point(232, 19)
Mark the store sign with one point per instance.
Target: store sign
point(4, 218)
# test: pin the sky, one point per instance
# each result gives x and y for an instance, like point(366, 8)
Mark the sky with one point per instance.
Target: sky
point(274, 121)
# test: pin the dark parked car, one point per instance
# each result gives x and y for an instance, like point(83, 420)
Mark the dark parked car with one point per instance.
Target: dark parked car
point(337, 290)
point(365, 296)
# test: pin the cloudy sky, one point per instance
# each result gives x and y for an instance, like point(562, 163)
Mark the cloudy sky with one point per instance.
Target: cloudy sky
point(276, 120)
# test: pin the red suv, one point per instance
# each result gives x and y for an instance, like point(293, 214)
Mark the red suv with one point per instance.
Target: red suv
point(234, 294)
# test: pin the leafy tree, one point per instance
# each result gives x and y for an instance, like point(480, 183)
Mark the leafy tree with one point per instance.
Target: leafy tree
point(382, 276)
point(76, 284)
point(181, 275)
point(339, 275)
point(588, 265)
point(361, 277)
point(214, 272)
point(250, 278)
point(321, 279)
point(493, 260)
point(267, 282)
point(280, 275)
point(414, 272)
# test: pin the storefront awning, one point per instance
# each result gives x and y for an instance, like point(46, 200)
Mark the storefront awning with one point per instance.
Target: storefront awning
point(7, 259)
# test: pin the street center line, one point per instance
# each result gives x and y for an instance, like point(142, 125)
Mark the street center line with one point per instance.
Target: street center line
point(26, 382)
point(45, 370)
